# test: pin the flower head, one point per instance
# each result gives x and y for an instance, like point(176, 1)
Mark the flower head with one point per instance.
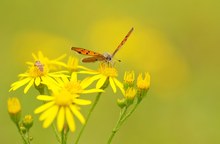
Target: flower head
point(37, 73)
point(14, 109)
point(143, 83)
point(129, 79)
point(64, 103)
point(73, 64)
point(51, 64)
point(128, 98)
point(106, 74)
point(130, 93)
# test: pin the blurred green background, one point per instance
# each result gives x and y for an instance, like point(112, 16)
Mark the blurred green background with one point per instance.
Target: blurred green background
point(176, 41)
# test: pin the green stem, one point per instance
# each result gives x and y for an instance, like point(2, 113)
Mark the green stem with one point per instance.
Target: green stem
point(66, 133)
point(56, 133)
point(129, 114)
point(88, 116)
point(28, 136)
point(63, 137)
point(22, 135)
point(118, 124)
point(121, 120)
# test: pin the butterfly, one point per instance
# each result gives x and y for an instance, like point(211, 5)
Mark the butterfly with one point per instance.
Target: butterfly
point(94, 56)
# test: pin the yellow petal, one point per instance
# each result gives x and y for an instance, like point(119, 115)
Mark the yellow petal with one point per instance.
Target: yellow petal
point(73, 77)
point(70, 120)
point(112, 84)
point(84, 68)
point(64, 79)
point(28, 86)
point(94, 78)
point(45, 114)
point(51, 116)
point(120, 85)
point(29, 63)
point(88, 72)
point(101, 82)
point(60, 57)
point(20, 83)
point(60, 119)
point(77, 114)
point(23, 75)
point(92, 91)
point(44, 107)
point(34, 56)
point(37, 81)
point(85, 82)
point(82, 102)
point(40, 55)
point(45, 97)
point(51, 83)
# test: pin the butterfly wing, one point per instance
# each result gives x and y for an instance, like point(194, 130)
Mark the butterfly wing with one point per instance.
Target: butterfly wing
point(85, 51)
point(94, 55)
point(123, 41)
point(93, 59)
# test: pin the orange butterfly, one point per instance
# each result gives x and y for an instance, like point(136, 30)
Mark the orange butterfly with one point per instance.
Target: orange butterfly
point(94, 56)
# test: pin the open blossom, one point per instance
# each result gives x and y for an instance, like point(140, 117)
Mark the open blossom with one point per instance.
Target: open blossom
point(105, 73)
point(73, 65)
point(38, 72)
point(64, 103)
point(52, 64)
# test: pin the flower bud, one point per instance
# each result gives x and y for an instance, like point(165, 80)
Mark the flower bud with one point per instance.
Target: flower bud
point(128, 79)
point(28, 121)
point(121, 102)
point(130, 94)
point(14, 109)
point(143, 85)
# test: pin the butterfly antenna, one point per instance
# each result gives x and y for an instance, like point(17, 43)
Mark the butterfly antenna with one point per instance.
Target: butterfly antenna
point(123, 41)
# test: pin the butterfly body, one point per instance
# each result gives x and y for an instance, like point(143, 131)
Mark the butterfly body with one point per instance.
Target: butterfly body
point(94, 56)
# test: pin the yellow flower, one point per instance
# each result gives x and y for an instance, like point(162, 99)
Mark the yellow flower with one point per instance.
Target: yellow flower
point(64, 103)
point(73, 64)
point(128, 79)
point(51, 64)
point(143, 83)
point(105, 73)
point(130, 93)
point(14, 109)
point(37, 73)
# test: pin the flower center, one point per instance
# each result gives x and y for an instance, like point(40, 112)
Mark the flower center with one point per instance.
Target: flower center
point(38, 70)
point(64, 98)
point(108, 71)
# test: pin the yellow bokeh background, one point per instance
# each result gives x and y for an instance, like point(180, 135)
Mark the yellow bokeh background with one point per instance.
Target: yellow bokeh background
point(177, 42)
